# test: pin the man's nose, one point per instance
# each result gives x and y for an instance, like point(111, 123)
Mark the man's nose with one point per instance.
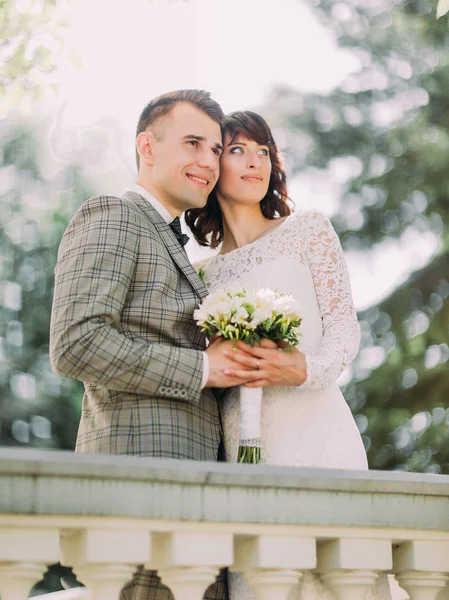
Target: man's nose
point(209, 160)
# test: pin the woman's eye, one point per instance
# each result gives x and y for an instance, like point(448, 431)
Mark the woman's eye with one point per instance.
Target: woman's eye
point(236, 150)
point(264, 152)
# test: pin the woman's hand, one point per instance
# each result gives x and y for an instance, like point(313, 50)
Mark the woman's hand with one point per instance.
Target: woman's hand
point(268, 364)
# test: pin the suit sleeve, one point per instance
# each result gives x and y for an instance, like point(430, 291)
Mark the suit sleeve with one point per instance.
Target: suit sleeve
point(93, 275)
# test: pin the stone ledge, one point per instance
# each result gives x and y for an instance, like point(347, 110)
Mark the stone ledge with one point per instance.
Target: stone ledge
point(36, 482)
point(50, 463)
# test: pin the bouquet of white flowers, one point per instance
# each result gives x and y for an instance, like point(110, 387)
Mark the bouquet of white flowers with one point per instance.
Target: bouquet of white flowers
point(235, 314)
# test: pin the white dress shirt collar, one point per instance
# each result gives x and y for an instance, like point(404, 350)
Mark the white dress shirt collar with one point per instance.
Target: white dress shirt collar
point(138, 189)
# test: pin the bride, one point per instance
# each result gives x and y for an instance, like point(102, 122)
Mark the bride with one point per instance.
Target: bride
point(305, 419)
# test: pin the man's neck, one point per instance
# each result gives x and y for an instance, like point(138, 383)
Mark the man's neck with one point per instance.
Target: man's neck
point(147, 185)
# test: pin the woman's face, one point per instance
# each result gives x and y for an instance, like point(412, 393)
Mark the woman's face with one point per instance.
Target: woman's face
point(245, 169)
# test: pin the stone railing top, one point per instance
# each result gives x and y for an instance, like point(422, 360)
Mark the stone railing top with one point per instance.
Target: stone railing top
point(62, 464)
point(53, 482)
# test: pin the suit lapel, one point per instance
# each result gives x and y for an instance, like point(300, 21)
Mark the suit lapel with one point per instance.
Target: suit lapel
point(177, 252)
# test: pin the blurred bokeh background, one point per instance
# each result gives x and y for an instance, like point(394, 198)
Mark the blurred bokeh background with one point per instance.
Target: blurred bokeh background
point(357, 93)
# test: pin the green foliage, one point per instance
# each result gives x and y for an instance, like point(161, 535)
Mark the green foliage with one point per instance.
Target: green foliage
point(389, 123)
point(31, 40)
point(37, 408)
point(404, 398)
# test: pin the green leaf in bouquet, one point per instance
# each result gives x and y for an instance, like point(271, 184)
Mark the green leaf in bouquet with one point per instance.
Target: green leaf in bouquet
point(249, 308)
point(256, 338)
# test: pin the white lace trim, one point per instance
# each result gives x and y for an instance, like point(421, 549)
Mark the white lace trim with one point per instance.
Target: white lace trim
point(252, 443)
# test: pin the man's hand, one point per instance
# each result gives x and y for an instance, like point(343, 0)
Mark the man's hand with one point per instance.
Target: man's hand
point(219, 362)
point(266, 365)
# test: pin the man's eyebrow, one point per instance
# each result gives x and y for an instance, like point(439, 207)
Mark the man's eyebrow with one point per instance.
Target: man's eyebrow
point(191, 136)
point(200, 138)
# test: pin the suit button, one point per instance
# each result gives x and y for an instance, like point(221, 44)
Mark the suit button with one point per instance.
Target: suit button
point(176, 392)
point(183, 393)
point(163, 389)
point(169, 390)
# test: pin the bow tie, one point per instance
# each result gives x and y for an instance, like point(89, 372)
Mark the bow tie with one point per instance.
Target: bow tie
point(175, 226)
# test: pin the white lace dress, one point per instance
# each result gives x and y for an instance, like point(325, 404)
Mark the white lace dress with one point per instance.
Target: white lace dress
point(311, 425)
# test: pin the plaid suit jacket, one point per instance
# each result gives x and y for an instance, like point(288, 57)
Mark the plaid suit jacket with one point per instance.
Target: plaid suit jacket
point(122, 323)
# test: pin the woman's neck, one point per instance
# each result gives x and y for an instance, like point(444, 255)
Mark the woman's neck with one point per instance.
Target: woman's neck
point(243, 225)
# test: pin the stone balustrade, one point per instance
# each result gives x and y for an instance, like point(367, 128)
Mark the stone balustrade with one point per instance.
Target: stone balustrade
point(104, 515)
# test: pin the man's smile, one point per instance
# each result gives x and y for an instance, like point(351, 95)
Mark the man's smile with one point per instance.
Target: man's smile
point(200, 180)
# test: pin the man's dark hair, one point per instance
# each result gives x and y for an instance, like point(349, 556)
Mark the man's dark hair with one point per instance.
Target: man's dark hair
point(162, 105)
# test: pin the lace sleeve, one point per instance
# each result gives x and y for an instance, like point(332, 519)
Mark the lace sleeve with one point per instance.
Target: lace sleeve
point(341, 331)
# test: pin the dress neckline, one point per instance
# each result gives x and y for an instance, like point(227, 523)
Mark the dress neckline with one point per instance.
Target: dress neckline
point(259, 239)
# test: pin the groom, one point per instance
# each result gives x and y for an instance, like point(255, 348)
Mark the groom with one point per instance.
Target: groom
point(124, 297)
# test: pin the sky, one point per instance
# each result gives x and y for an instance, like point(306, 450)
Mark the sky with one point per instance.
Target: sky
point(129, 52)
point(237, 49)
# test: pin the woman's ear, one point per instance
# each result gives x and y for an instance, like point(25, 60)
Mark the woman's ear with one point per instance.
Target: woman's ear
point(145, 147)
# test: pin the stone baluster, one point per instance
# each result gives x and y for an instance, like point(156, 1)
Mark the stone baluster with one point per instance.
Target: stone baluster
point(105, 559)
point(24, 557)
point(273, 564)
point(188, 562)
point(444, 593)
point(422, 568)
point(350, 567)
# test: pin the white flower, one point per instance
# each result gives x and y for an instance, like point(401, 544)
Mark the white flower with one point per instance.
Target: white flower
point(221, 309)
point(287, 306)
point(442, 8)
point(263, 302)
point(266, 295)
point(200, 315)
point(241, 316)
point(234, 313)
point(260, 315)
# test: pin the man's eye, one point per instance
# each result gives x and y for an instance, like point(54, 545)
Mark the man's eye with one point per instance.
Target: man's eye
point(216, 151)
point(193, 142)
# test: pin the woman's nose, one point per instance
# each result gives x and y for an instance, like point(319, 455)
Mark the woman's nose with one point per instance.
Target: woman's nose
point(254, 162)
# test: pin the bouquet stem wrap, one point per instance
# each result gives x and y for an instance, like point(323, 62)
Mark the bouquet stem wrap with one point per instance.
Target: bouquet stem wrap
point(250, 413)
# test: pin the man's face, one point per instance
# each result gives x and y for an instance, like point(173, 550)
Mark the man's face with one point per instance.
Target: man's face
point(186, 153)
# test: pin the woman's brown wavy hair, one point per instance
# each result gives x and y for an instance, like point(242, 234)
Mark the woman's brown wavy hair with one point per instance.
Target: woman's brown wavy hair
point(206, 223)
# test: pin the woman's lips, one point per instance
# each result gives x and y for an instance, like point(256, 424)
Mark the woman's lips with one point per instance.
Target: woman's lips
point(253, 178)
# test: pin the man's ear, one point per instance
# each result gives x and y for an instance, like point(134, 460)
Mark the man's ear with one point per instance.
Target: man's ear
point(145, 147)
